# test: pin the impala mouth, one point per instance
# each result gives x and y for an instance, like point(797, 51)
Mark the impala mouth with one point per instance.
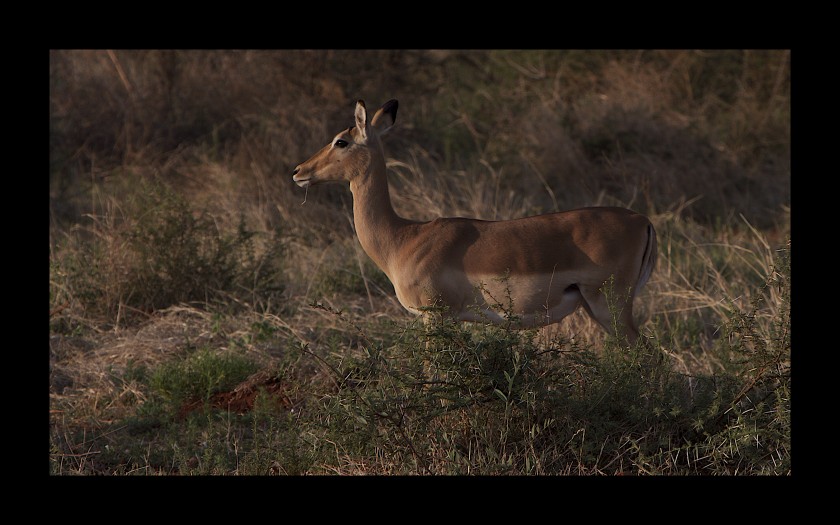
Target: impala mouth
point(301, 180)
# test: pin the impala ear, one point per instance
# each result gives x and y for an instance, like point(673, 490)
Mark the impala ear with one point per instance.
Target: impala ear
point(385, 116)
point(361, 120)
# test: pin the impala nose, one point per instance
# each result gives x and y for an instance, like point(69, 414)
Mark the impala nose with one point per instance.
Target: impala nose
point(302, 181)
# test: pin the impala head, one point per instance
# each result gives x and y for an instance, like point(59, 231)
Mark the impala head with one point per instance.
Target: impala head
point(352, 152)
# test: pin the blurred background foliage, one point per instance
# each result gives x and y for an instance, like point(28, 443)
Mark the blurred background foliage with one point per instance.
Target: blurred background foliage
point(651, 129)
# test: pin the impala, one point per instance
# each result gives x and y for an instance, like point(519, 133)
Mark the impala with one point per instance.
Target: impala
point(543, 266)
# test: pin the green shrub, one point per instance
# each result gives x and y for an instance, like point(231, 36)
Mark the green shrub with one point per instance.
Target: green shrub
point(450, 398)
point(157, 252)
point(199, 376)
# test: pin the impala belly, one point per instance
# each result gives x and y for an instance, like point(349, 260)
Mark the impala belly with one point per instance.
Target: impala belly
point(534, 300)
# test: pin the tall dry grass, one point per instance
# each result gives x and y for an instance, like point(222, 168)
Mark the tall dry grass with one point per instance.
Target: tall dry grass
point(698, 140)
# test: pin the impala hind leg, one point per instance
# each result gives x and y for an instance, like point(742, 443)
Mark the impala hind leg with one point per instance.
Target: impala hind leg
point(568, 303)
point(613, 311)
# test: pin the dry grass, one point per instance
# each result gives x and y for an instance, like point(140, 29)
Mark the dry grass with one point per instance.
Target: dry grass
point(700, 141)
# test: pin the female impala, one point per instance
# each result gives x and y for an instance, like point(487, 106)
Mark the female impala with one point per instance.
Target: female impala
point(543, 266)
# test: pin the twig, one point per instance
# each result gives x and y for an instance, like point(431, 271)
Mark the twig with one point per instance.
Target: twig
point(121, 72)
point(59, 308)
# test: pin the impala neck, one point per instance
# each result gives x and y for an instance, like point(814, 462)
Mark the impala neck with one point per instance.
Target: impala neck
point(377, 224)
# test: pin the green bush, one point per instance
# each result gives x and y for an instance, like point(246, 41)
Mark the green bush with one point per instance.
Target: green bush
point(158, 251)
point(199, 376)
point(449, 398)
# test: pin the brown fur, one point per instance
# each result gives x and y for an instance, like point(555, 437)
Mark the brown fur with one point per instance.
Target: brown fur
point(543, 266)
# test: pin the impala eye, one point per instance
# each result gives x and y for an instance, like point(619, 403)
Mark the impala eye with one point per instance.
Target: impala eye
point(340, 143)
